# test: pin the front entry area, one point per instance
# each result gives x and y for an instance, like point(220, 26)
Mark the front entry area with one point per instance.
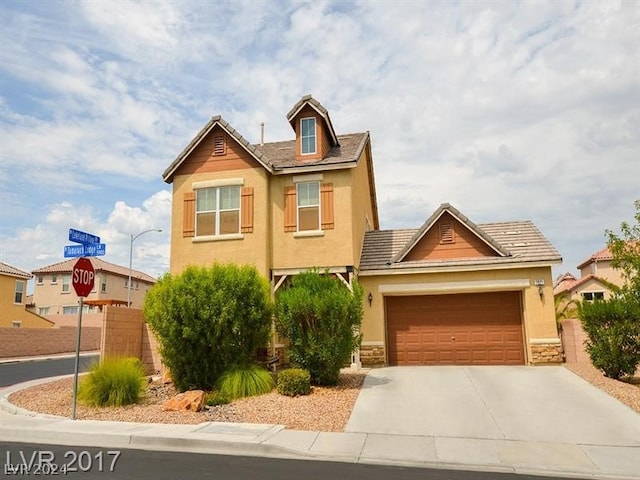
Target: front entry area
point(455, 329)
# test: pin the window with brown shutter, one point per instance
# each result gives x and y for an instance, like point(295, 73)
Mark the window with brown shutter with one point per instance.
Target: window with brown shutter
point(219, 145)
point(247, 210)
point(189, 215)
point(326, 201)
point(301, 214)
point(446, 233)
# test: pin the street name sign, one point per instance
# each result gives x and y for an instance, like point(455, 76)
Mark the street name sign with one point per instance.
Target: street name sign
point(96, 250)
point(84, 238)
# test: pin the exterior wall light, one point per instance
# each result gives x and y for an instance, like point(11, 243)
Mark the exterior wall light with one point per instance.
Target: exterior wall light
point(370, 298)
point(539, 282)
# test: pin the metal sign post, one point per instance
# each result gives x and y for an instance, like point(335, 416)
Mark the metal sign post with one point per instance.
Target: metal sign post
point(77, 368)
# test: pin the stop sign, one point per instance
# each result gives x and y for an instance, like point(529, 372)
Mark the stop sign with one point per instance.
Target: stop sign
point(83, 277)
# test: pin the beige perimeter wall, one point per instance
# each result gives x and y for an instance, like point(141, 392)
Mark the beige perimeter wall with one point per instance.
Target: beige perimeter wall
point(24, 342)
point(573, 337)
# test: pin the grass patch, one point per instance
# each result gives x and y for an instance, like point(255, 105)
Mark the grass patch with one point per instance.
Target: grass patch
point(114, 382)
point(245, 381)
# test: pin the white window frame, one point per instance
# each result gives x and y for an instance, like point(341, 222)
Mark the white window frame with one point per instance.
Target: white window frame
point(66, 283)
point(40, 280)
point(315, 136)
point(298, 207)
point(103, 283)
point(16, 323)
point(43, 311)
point(592, 294)
point(217, 189)
point(18, 291)
point(54, 279)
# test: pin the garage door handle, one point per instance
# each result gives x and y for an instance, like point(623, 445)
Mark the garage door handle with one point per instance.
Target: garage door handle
point(453, 338)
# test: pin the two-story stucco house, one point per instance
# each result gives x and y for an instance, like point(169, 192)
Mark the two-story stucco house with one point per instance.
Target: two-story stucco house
point(449, 292)
point(54, 295)
point(13, 295)
point(596, 278)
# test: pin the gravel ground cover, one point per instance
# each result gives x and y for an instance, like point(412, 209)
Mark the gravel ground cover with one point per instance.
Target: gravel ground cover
point(326, 409)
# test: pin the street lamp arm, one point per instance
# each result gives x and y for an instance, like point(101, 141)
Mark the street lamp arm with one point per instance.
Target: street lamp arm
point(133, 238)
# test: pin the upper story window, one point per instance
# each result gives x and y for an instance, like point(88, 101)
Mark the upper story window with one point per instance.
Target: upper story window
point(103, 283)
point(19, 291)
point(43, 311)
point(40, 280)
point(54, 279)
point(308, 195)
point(591, 296)
point(217, 211)
point(308, 135)
point(66, 282)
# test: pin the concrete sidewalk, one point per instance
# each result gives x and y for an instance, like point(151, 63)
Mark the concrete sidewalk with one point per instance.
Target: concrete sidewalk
point(554, 459)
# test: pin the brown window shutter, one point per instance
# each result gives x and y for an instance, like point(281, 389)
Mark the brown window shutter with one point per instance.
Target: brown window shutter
point(290, 209)
point(247, 210)
point(189, 215)
point(326, 206)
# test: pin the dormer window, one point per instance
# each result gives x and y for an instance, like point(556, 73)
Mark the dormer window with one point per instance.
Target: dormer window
point(308, 135)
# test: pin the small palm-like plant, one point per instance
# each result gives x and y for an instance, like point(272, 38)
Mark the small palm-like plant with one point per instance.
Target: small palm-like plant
point(245, 381)
point(114, 382)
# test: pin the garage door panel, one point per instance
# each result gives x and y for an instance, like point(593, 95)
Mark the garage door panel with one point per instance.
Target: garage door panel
point(470, 329)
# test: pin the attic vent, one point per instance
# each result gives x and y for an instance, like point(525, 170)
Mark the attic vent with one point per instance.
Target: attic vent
point(446, 233)
point(218, 145)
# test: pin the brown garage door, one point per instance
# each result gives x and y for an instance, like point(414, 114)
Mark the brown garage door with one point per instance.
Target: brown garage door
point(458, 329)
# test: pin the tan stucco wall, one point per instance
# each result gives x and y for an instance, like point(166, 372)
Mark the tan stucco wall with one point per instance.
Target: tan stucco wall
point(361, 206)
point(50, 295)
point(11, 311)
point(603, 270)
point(589, 286)
point(538, 313)
point(333, 247)
point(252, 248)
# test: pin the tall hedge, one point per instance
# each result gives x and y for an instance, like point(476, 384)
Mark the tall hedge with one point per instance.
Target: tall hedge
point(613, 334)
point(321, 318)
point(208, 319)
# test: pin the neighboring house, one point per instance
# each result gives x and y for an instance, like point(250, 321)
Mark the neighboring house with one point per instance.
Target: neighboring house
point(53, 292)
point(13, 300)
point(311, 202)
point(596, 278)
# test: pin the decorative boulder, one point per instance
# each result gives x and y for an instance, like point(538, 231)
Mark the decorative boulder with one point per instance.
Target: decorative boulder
point(190, 401)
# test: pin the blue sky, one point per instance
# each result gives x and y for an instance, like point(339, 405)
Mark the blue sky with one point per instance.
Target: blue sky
point(506, 110)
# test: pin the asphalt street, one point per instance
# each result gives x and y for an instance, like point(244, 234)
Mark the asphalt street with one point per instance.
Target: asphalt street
point(22, 371)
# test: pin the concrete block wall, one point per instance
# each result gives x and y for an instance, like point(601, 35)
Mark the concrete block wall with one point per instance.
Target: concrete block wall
point(26, 342)
point(573, 337)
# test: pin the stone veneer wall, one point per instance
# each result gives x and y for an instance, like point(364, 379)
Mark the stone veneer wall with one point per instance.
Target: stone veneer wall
point(372, 355)
point(546, 353)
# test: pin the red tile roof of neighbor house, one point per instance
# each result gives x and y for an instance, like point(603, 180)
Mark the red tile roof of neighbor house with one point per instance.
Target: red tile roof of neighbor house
point(514, 242)
point(600, 255)
point(66, 266)
point(572, 285)
point(7, 269)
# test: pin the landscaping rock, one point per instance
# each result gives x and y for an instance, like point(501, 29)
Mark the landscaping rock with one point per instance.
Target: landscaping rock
point(190, 401)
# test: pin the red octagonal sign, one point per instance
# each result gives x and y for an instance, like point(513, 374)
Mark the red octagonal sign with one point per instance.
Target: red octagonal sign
point(83, 277)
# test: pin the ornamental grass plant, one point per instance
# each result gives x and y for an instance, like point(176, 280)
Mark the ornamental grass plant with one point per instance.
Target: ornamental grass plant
point(245, 381)
point(113, 382)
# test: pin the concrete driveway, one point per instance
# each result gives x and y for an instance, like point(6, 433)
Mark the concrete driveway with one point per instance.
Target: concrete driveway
point(536, 404)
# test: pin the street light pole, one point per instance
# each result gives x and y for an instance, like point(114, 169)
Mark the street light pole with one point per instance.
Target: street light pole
point(131, 260)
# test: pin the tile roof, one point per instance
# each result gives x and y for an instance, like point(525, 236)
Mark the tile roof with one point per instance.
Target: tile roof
point(426, 226)
point(279, 156)
point(522, 240)
point(7, 269)
point(600, 255)
point(568, 284)
point(66, 266)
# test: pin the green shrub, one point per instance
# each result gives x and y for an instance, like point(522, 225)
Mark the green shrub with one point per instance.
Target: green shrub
point(216, 398)
point(245, 381)
point(113, 382)
point(294, 382)
point(613, 331)
point(320, 317)
point(208, 319)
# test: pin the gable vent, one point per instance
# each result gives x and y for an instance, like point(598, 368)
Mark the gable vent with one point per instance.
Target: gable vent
point(446, 233)
point(218, 145)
